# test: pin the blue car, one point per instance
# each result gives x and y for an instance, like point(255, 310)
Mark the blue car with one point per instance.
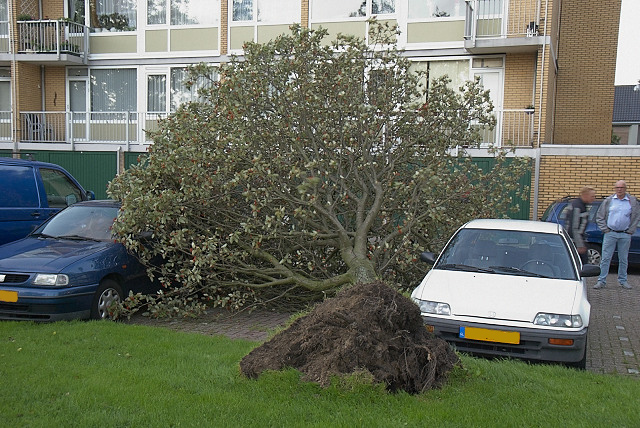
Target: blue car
point(69, 268)
point(556, 213)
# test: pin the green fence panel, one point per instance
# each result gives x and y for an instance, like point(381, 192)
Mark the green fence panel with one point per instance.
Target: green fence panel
point(524, 204)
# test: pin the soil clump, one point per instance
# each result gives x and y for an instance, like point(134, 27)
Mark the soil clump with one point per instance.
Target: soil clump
point(367, 327)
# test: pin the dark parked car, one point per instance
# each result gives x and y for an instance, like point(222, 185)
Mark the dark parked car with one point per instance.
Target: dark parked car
point(556, 213)
point(70, 267)
point(31, 192)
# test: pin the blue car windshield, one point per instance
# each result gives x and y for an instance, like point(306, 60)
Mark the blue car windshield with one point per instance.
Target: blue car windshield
point(508, 252)
point(80, 222)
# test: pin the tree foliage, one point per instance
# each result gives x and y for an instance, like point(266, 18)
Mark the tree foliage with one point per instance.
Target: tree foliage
point(308, 165)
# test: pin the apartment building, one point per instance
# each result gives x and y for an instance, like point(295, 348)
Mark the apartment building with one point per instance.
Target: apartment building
point(84, 79)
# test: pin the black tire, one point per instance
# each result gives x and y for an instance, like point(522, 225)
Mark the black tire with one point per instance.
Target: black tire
point(582, 364)
point(108, 293)
point(594, 254)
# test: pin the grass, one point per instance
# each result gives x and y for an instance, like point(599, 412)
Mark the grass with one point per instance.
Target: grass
point(90, 374)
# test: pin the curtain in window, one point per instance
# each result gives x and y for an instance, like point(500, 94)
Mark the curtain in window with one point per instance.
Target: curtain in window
point(121, 12)
point(156, 12)
point(383, 6)
point(157, 93)
point(5, 96)
point(4, 18)
point(429, 9)
point(279, 11)
point(179, 92)
point(186, 12)
point(78, 96)
point(458, 71)
point(337, 9)
point(113, 90)
point(242, 10)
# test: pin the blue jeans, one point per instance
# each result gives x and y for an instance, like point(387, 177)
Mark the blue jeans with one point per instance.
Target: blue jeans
point(610, 241)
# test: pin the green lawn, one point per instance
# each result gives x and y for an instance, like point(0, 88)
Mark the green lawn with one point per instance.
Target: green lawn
point(102, 374)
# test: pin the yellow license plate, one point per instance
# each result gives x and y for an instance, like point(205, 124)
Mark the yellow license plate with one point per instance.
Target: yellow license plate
point(489, 335)
point(8, 296)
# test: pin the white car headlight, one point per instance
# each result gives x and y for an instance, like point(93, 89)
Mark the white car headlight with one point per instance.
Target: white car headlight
point(429, 307)
point(558, 320)
point(51, 279)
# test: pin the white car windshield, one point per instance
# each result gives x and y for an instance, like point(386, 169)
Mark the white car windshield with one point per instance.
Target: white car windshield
point(508, 252)
point(85, 222)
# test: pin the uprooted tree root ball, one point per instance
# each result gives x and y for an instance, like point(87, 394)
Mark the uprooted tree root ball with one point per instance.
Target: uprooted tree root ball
point(366, 327)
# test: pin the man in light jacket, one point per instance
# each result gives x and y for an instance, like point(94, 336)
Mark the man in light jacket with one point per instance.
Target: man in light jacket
point(617, 218)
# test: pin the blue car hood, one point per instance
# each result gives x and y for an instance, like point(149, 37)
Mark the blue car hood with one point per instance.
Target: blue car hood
point(46, 255)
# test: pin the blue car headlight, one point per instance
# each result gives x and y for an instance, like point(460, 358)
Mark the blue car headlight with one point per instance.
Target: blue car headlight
point(51, 279)
point(429, 307)
point(558, 320)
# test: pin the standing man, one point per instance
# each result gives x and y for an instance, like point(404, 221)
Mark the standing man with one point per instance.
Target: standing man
point(577, 218)
point(617, 217)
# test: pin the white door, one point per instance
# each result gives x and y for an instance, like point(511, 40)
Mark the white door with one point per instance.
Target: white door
point(491, 80)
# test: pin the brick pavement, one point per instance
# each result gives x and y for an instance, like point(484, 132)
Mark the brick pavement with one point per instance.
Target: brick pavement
point(614, 329)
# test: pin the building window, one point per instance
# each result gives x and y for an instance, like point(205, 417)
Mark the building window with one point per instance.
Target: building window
point(159, 95)
point(435, 9)
point(456, 70)
point(329, 10)
point(113, 90)
point(183, 12)
point(266, 11)
point(4, 21)
point(113, 15)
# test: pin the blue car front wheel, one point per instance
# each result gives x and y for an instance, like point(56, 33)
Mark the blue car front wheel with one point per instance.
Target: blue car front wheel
point(108, 294)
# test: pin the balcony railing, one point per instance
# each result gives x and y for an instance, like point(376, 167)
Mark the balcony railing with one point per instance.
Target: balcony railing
point(123, 127)
point(502, 18)
point(515, 128)
point(53, 37)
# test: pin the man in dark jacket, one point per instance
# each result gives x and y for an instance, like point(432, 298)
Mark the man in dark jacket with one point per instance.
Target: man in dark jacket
point(577, 217)
point(617, 218)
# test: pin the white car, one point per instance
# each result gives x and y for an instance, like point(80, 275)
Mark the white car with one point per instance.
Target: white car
point(511, 288)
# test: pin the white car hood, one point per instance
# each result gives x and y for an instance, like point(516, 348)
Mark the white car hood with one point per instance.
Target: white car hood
point(497, 296)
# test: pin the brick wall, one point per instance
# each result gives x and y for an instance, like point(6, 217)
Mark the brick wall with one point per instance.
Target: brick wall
point(53, 9)
point(588, 39)
point(54, 86)
point(224, 27)
point(562, 176)
point(28, 87)
point(305, 13)
point(519, 80)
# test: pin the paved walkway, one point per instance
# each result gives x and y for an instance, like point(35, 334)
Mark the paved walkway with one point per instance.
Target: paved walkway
point(614, 330)
point(613, 343)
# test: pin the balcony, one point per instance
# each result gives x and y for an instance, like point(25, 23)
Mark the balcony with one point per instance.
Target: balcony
point(50, 41)
point(499, 26)
point(68, 130)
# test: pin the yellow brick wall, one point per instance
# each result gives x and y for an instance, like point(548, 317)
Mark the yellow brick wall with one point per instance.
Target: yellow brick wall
point(304, 19)
point(224, 27)
point(28, 87)
point(562, 176)
point(54, 86)
point(586, 65)
point(53, 9)
point(519, 80)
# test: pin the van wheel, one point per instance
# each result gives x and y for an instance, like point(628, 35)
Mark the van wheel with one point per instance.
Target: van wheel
point(594, 254)
point(106, 295)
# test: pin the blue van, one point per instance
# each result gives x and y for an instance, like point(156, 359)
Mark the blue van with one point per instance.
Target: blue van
point(31, 192)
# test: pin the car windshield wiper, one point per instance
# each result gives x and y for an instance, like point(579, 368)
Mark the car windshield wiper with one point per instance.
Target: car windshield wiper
point(79, 238)
point(466, 268)
point(43, 235)
point(513, 269)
